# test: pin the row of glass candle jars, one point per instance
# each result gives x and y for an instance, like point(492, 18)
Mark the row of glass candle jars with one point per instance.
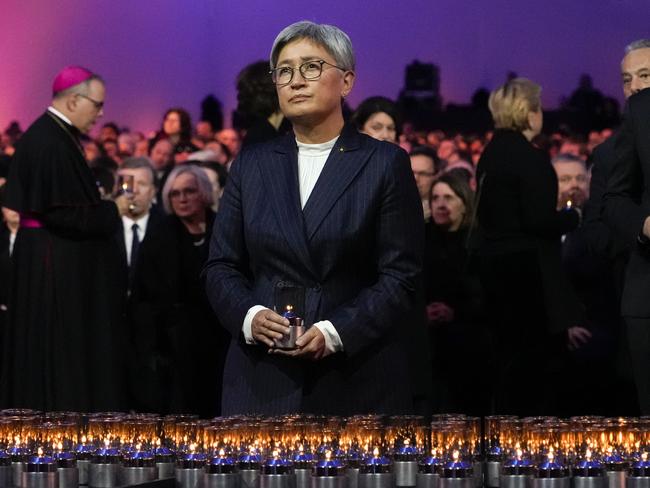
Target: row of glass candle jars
point(592, 451)
point(450, 448)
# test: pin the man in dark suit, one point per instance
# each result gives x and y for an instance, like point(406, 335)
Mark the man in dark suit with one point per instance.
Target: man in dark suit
point(137, 211)
point(635, 73)
point(627, 211)
point(335, 213)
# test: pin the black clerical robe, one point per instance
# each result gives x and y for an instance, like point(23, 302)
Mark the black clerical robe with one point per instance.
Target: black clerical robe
point(62, 349)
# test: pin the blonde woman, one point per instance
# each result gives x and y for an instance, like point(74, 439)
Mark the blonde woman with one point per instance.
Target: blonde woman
point(531, 304)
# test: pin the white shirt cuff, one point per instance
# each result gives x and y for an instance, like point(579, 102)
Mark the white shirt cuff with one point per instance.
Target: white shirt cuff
point(247, 328)
point(333, 341)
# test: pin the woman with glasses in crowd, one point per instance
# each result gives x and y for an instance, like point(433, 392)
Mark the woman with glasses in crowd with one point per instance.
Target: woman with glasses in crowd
point(176, 330)
point(336, 216)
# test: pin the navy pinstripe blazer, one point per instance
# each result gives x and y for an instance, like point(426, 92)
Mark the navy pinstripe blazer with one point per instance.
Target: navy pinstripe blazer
point(357, 249)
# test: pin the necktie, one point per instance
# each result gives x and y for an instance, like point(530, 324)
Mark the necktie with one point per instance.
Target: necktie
point(135, 245)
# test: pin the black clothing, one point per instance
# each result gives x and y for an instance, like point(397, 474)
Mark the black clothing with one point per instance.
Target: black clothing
point(62, 343)
point(125, 273)
point(262, 131)
point(595, 258)
point(591, 275)
point(451, 279)
point(530, 302)
point(177, 336)
point(602, 240)
point(638, 336)
point(5, 277)
point(627, 201)
point(518, 216)
point(626, 207)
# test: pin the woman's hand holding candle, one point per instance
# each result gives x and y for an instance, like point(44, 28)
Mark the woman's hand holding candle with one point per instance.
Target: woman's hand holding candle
point(310, 345)
point(267, 326)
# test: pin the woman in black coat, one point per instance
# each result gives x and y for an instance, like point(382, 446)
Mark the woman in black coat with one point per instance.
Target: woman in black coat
point(177, 332)
point(530, 303)
point(455, 310)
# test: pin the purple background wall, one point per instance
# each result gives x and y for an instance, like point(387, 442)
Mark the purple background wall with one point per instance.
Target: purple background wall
point(159, 53)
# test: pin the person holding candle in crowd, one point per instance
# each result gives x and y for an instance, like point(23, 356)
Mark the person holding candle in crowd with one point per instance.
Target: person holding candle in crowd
point(335, 213)
point(62, 347)
point(529, 298)
point(177, 335)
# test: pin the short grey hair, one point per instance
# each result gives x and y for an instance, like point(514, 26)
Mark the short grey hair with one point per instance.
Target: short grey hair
point(568, 158)
point(140, 163)
point(638, 44)
point(205, 187)
point(331, 38)
point(80, 88)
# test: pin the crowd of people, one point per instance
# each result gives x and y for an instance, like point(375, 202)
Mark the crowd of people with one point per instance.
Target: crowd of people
point(494, 253)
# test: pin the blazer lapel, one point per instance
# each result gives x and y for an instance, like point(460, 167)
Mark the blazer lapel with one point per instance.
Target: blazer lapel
point(282, 175)
point(343, 164)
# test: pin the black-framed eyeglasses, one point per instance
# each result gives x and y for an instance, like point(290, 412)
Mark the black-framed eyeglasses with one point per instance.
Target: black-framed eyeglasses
point(98, 105)
point(309, 70)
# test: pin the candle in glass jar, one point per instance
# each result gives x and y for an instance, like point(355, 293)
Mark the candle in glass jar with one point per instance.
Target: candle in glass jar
point(376, 463)
point(457, 467)
point(277, 465)
point(328, 466)
point(221, 464)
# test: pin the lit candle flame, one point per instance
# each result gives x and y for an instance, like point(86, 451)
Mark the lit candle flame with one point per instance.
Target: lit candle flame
point(138, 446)
point(17, 440)
point(569, 204)
point(375, 452)
point(407, 442)
point(455, 455)
point(158, 442)
point(644, 457)
point(550, 456)
point(222, 453)
point(83, 440)
point(610, 450)
point(39, 452)
point(289, 308)
point(519, 453)
point(107, 443)
point(276, 454)
point(588, 455)
point(328, 455)
point(60, 446)
point(192, 447)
